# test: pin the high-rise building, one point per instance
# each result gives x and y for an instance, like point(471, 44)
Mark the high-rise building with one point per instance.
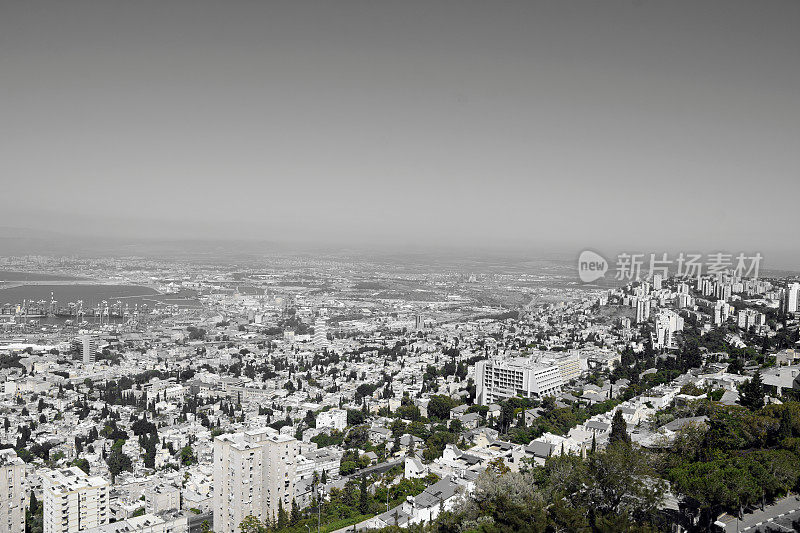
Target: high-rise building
point(12, 500)
point(73, 501)
point(321, 333)
point(721, 312)
point(791, 298)
point(254, 473)
point(722, 291)
point(748, 318)
point(88, 348)
point(684, 300)
point(657, 279)
point(519, 376)
point(667, 324)
point(708, 287)
point(727, 292)
point(642, 310)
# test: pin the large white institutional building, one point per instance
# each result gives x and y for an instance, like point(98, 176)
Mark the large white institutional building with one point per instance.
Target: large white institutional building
point(517, 376)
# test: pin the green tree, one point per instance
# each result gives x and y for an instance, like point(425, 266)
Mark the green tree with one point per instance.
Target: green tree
point(357, 437)
point(81, 463)
point(723, 483)
point(251, 524)
point(409, 412)
point(34, 522)
point(187, 456)
point(440, 406)
point(294, 517)
point(619, 428)
point(118, 462)
point(398, 427)
point(623, 481)
point(753, 393)
point(363, 496)
point(282, 518)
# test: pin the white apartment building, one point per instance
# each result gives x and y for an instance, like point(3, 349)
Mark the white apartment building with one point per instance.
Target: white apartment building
point(748, 318)
point(332, 419)
point(321, 333)
point(721, 312)
point(668, 324)
point(684, 300)
point(253, 471)
point(89, 346)
point(162, 498)
point(642, 309)
point(657, 279)
point(12, 500)
point(146, 523)
point(73, 501)
point(501, 379)
point(791, 298)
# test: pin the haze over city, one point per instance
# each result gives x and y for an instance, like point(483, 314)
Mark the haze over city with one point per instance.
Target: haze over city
point(623, 125)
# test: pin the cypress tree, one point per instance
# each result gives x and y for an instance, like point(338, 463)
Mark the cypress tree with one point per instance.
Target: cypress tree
point(363, 497)
point(619, 429)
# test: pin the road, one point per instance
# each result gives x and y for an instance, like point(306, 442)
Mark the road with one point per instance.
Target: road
point(196, 522)
point(775, 517)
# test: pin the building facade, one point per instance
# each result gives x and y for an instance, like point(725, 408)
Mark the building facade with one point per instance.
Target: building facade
point(254, 474)
point(74, 501)
point(520, 376)
point(89, 346)
point(332, 419)
point(12, 500)
point(321, 333)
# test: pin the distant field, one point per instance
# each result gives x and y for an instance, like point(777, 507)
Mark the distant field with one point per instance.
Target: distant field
point(11, 275)
point(609, 314)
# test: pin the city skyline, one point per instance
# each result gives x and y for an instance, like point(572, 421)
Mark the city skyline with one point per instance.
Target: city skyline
point(284, 266)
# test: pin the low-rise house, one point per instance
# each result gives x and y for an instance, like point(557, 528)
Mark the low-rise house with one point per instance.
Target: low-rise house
point(458, 411)
point(332, 419)
point(414, 468)
point(597, 427)
point(470, 420)
point(378, 435)
point(440, 497)
point(777, 380)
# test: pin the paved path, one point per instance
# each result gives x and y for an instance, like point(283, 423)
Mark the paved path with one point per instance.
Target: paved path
point(356, 527)
point(751, 521)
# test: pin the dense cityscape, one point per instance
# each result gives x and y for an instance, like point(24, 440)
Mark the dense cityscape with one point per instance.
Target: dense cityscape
point(424, 266)
point(301, 394)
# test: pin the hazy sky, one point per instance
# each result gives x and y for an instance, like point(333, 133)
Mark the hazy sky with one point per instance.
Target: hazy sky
point(588, 124)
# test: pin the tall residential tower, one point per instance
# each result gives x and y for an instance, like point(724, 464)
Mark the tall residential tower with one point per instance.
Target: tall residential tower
point(12, 500)
point(74, 501)
point(254, 474)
